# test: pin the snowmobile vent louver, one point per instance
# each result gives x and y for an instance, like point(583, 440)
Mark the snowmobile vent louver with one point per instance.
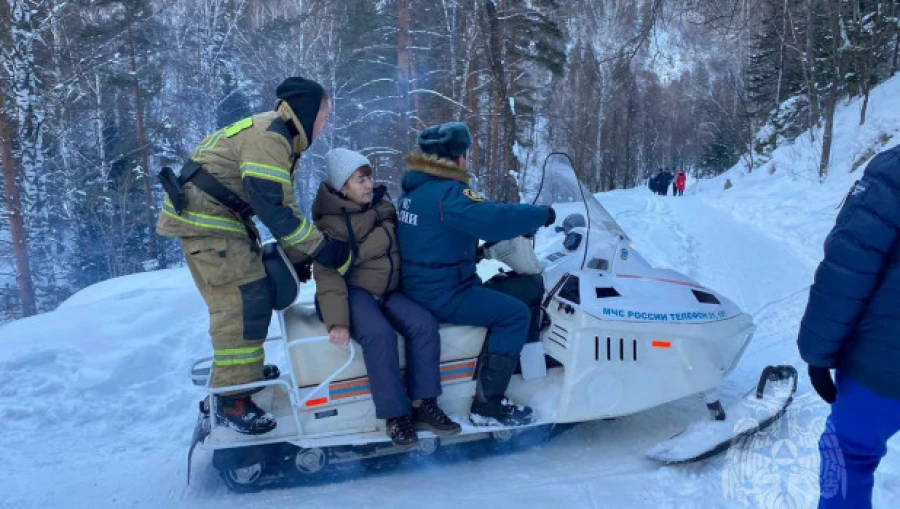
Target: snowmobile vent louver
point(559, 336)
point(622, 349)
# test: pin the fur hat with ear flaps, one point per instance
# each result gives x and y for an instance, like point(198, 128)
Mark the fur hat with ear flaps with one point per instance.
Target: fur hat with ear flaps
point(447, 141)
point(304, 97)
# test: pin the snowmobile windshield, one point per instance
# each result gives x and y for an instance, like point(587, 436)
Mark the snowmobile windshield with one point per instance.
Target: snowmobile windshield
point(583, 225)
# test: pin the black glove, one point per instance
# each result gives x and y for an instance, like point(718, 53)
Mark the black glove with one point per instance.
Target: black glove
point(823, 384)
point(304, 271)
point(335, 254)
point(552, 218)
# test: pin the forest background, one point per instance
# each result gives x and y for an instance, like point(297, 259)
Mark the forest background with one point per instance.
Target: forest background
point(97, 95)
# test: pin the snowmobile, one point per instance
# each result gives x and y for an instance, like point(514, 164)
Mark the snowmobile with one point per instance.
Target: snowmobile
point(619, 337)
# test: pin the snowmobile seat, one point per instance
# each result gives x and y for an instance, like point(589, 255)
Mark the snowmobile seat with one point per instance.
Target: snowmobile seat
point(315, 362)
point(281, 276)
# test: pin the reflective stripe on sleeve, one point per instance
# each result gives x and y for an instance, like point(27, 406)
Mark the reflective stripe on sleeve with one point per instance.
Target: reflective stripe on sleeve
point(207, 145)
point(265, 171)
point(297, 236)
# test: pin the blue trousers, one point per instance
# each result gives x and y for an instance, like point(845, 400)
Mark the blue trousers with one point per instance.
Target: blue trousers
point(854, 441)
point(506, 318)
point(373, 326)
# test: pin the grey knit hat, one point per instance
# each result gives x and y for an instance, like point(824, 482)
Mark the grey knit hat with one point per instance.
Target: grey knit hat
point(341, 164)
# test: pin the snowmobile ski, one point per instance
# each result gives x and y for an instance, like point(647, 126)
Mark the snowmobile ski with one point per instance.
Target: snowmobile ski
point(754, 413)
point(201, 430)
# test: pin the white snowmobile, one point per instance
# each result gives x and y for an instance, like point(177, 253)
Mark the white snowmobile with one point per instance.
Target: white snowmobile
point(621, 337)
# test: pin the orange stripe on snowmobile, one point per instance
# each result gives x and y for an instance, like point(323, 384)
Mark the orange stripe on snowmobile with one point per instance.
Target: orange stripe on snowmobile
point(363, 382)
point(458, 376)
point(360, 387)
point(360, 392)
point(316, 402)
point(451, 367)
point(661, 344)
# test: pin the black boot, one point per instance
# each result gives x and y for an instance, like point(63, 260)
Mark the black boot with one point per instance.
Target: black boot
point(490, 407)
point(402, 432)
point(500, 412)
point(430, 417)
point(242, 415)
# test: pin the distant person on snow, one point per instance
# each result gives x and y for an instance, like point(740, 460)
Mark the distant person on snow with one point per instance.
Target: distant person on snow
point(241, 171)
point(366, 301)
point(656, 181)
point(666, 181)
point(852, 325)
point(441, 222)
point(680, 182)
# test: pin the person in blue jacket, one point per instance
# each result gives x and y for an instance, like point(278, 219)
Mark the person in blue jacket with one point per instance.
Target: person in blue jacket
point(441, 222)
point(852, 325)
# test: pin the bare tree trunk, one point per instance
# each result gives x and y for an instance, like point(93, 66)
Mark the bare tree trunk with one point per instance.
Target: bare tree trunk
point(142, 139)
point(493, 166)
point(831, 101)
point(865, 105)
point(830, 105)
point(474, 124)
point(784, 18)
point(509, 188)
point(16, 219)
point(896, 52)
point(403, 70)
point(469, 24)
point(810, 66)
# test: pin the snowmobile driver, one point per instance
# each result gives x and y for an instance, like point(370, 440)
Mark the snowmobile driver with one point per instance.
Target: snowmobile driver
point(243, 170)
point(441, 221)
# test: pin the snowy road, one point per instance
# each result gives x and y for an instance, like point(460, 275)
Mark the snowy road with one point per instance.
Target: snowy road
point(138, 459)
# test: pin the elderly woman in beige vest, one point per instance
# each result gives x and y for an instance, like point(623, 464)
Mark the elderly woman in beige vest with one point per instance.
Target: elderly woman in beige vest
point(365, 301)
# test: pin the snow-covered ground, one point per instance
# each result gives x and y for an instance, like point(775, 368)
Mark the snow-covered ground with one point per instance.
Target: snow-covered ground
point(98, 409)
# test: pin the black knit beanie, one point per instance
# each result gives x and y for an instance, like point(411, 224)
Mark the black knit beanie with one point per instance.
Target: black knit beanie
point(304, 97)
point(447, 141)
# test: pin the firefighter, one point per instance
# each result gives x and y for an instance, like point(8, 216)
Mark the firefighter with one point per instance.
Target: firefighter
point(245, 170)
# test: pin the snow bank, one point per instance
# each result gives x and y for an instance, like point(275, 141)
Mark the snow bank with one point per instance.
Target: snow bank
point(785, 195)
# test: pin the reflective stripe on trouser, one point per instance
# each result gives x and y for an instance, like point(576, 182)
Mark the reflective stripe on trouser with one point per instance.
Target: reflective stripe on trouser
point(232, 281)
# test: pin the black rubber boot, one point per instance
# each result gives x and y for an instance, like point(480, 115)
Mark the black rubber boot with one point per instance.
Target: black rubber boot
point(242, 415)
point(430, 417)
point(402, 432)
point(490, 407)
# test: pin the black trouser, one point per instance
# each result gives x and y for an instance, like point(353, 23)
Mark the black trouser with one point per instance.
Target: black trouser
point(528, 289)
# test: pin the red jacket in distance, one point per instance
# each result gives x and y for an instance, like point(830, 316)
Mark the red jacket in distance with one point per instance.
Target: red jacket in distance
point(680, 181)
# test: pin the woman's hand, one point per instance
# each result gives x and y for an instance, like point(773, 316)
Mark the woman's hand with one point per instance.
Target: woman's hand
point(339, 335)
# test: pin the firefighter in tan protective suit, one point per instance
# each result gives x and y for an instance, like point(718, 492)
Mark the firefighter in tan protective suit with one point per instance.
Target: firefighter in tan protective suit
point(243, 170)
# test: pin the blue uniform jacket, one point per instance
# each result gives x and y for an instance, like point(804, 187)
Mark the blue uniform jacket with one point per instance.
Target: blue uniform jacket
point(440, 223)
point(852, 320)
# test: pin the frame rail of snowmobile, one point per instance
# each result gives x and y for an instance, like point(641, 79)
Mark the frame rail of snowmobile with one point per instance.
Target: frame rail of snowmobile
point(291, 385)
